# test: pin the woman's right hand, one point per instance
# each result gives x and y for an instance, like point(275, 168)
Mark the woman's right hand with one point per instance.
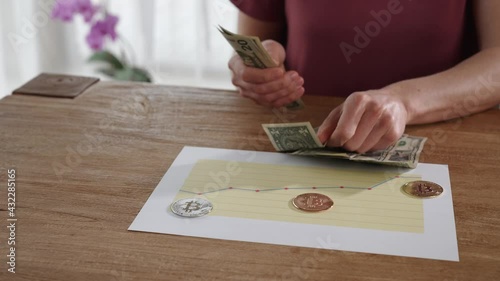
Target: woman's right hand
point(273, 87)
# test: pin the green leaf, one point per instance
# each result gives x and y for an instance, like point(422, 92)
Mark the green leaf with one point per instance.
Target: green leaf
point(110, 72)
point(132, 74)
point(105, 56)
point(142, 75)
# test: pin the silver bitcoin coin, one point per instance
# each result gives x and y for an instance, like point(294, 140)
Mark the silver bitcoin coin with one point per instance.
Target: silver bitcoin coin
point(191, 207)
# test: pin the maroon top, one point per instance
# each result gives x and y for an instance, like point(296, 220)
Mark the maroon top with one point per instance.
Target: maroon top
point(343, 46)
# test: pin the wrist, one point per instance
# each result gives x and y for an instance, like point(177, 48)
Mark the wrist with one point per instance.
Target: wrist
point(402, 93)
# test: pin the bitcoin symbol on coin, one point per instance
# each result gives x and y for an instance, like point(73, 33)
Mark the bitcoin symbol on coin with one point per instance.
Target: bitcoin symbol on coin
point(312, 202)
point(191, 207)
point(422, 189)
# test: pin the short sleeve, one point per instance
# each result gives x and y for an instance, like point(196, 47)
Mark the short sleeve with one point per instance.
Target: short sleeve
point(266, 10)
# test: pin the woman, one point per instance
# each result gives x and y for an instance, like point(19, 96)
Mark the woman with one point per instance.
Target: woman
point(398, 62)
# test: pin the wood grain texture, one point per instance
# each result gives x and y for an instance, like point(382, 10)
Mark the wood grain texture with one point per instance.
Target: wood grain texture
point(86, 166)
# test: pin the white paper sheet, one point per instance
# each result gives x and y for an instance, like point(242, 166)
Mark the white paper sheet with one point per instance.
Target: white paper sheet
point(438, 241)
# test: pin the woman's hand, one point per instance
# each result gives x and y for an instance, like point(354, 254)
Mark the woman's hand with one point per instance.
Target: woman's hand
point(366, 121)
point(274, 87)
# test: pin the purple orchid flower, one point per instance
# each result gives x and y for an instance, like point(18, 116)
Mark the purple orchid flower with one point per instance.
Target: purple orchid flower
point(100, 29)
point(95, 40)
point(66, 9)
point(86, 9)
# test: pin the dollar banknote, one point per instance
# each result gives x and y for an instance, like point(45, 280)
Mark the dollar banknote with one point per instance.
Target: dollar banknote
point(301, 139)
point(253, 54)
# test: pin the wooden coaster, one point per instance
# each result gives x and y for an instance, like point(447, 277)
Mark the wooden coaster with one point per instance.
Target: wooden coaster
point(56, 85)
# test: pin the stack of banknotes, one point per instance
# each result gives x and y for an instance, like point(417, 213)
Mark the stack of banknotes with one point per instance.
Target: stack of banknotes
point(301, 139)
point(253, 54)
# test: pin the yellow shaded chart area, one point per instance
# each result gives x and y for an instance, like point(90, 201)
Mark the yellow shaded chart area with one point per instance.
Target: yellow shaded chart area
point(362, 198)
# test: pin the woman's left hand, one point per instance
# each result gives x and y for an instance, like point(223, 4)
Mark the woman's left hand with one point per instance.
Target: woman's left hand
point(366, 121)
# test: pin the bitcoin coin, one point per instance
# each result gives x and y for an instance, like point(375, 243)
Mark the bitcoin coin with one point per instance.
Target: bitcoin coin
point(312, 202)
point(191, 207)
point(422, 189)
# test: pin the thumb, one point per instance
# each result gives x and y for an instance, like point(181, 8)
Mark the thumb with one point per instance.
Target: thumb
point(275, 50)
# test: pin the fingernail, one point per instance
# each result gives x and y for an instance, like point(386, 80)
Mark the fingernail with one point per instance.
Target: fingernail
point(299, 82)
point(294, 75)
point(320, 135)
point(342, 142)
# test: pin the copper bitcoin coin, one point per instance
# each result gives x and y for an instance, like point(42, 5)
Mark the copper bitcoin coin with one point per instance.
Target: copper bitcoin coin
point(422, 189)
point(312, 202)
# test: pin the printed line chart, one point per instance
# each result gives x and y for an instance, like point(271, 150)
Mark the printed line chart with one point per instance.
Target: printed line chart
point(362, 199)
point(301, 187)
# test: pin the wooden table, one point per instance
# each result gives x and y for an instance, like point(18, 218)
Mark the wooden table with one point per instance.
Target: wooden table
point(86, 166)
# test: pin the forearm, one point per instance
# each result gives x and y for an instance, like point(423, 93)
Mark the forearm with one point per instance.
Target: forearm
point(469, 87)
